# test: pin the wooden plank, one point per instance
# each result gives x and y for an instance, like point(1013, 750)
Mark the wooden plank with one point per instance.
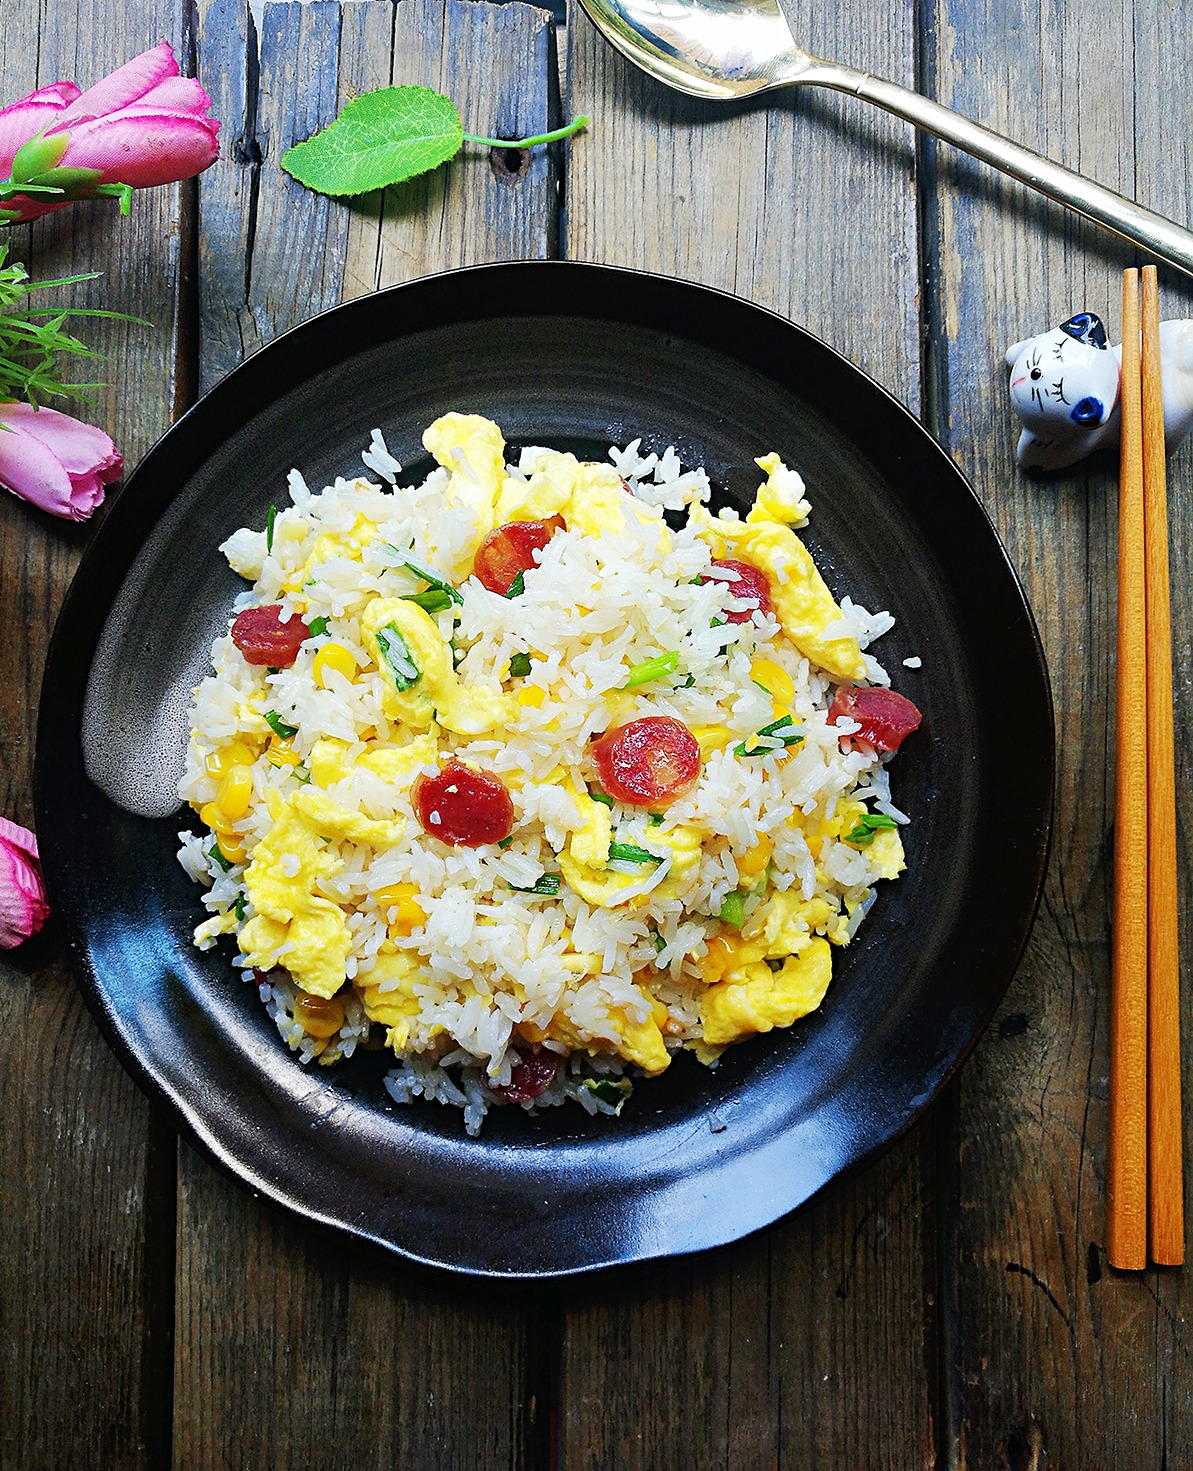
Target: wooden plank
point(85, 1177)
point(1052, 1354)
point(810, 1345)
point(497, 63)
point(348, 1360)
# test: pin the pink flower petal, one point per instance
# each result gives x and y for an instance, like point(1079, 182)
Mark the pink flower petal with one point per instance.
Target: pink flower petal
point(143, 149)
point(175, 94)
point(23, 908)
point(126, 84)
point(55, 461)
point(30, 116)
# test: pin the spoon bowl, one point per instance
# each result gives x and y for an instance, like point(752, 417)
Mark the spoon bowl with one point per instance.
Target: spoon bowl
point(723, 50)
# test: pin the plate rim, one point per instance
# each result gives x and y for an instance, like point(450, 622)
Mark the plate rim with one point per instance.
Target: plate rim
point(124, 530)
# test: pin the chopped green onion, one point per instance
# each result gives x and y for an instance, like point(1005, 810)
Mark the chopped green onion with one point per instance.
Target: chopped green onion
point(598, 796)
point(778, 728)
point(761, 686)
point(273, 516)
point(519, 666)
point(279, 726)
point(317, 627)
point(628, 853)
point(396, 652)
point(433, 600)
point(718, 623)
point(733, 909)
point(214, 852)
point(689, 682)
point(548, 884)
point(652, 669)
point(437, 583)
point(505, 842)
point(610, 1090)
point(659, 943)
point(867, 826)
point(301, 774)
point(238, 907)
point(517, 587)
point(656, 819)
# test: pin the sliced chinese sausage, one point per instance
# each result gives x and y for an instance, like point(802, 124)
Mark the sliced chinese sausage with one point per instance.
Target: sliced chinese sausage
point(263, 638)
point(884, 716)
point(530, 1076)
point(750, 582)
point(462, 806)
point(510, 550)
point(648, 762)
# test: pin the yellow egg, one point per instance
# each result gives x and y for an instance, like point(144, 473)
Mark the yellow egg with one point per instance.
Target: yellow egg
point(763, 999)
point(333, 656)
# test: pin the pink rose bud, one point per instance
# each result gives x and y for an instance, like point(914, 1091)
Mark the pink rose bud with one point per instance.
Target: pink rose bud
point(141, 126)
point(23, 907)
point(55, 461)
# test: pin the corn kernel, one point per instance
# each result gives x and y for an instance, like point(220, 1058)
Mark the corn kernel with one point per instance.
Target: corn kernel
point(215, 818)
point(320, 1017)
point(402, 897)
point(717, 959)
point(774, 679)
point(755, 859)
point(333, 656)
point(230, 847)
point(281, 752)
point(236, 792)
point(220, 761)
point(531, 694)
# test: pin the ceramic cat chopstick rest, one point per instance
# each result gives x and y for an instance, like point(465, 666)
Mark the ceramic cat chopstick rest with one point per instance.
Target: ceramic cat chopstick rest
point(1064, 387)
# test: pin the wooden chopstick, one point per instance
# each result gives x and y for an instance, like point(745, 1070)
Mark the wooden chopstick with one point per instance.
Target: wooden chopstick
point(1165, 1175)
point(1126, 1185)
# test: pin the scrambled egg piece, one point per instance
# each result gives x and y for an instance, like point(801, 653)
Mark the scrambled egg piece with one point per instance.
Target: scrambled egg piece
point(589, 843)
point(603, 890)
point(801, 599)
point(387, 994)
point(436, 694)
point(886, 853)
point(472, 450)
point(289, 912)
point(328, 762)
point(785, 922)
point(589, 497)
point(637, 1042)
point(763, 999)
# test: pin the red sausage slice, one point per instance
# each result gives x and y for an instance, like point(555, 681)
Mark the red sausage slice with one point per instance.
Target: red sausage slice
point(263, 638)
point(751, 582)
point(529, 1076)
point(884, 716)
point(462, 806)
point(648, 762)
point(510, 550)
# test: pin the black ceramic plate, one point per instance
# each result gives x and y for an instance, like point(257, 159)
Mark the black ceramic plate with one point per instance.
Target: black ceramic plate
point(577, 357)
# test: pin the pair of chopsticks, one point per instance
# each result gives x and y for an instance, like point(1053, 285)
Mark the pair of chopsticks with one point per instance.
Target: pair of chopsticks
point(1145, 1198)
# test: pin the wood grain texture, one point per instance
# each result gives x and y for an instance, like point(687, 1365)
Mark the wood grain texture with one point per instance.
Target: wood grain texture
point(810, 1345)
point(498, 64)
point(81, 1164)
point(292, 1349)
point(1047, 1347)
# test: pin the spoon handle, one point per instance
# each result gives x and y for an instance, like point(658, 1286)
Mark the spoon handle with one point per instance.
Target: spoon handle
point(1169, 241)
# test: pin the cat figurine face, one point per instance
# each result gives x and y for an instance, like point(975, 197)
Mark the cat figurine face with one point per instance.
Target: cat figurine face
point(1064, 388)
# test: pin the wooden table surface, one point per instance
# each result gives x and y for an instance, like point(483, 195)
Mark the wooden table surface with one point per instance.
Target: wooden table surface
point(952, 1305)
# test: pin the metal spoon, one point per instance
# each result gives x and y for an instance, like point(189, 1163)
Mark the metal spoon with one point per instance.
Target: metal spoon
point(725, 49)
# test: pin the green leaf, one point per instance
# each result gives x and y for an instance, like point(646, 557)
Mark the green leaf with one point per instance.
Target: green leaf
point(279, 726)
point(380, 138)
point(519, 666)
point(867, 826)
point(317, 627)
point(518, 586)
point(37, 156)
point(273, 516)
